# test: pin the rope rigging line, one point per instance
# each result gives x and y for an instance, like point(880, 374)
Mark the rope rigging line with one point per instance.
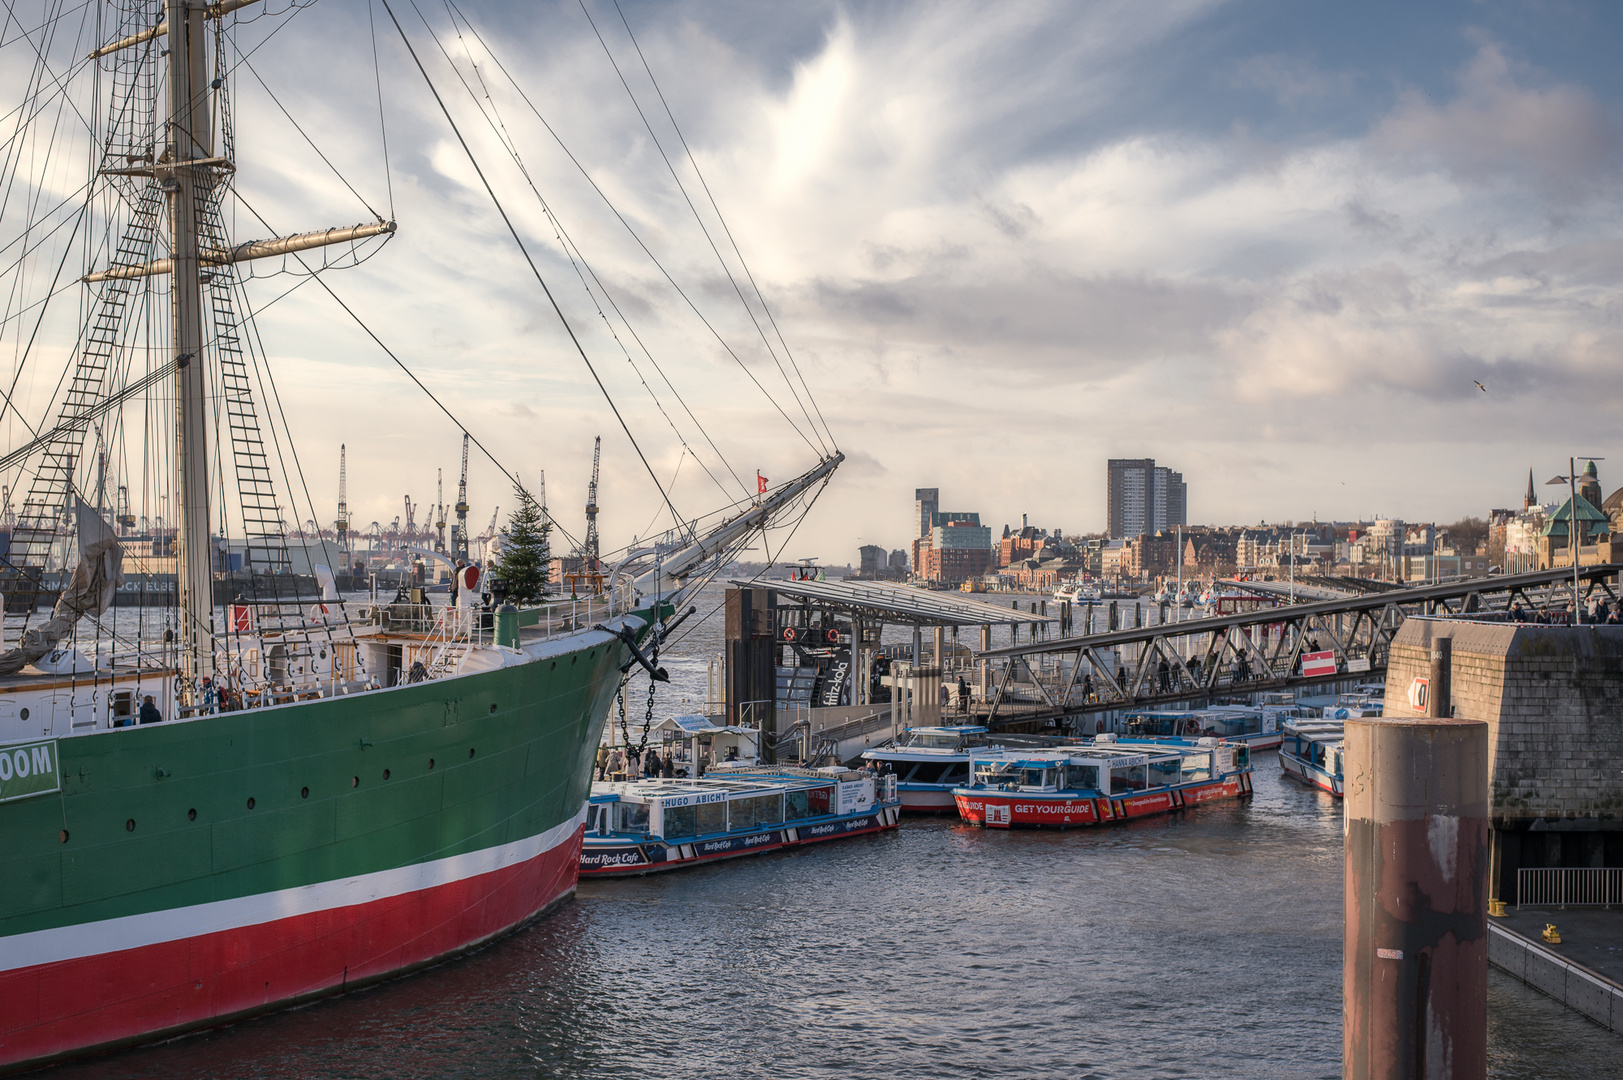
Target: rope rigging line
point(724, 226)
point(8, 399)
point(466, 149)
point(590, 180)
point(731, 280)
point(577, 259)
point(383, 128)
point(296, 127)
point(316, 276)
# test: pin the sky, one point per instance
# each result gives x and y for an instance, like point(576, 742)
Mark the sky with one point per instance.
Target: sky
point(1273, 245)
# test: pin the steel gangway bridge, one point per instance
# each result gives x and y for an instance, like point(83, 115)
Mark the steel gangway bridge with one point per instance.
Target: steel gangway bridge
point(1228, 656)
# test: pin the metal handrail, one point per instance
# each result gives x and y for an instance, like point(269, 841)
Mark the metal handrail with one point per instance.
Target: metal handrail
point(1569, 886)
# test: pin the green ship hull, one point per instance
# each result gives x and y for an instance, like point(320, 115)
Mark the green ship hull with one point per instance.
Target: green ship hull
point(186, 873)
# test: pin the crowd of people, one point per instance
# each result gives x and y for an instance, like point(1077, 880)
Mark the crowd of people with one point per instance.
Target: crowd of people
point(1600, 612)
point(626, 763)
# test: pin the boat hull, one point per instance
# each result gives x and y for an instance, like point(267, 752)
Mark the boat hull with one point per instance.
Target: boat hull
point(1016, 810)
point(927, 799)
point(190, 873)
point(125, 996)
point(1310, 774)
point(609, 859)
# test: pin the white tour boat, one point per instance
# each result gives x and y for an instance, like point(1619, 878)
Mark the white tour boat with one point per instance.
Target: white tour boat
point(646, 826)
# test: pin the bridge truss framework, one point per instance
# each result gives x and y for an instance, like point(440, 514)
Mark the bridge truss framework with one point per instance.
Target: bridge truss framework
point(1246, 653)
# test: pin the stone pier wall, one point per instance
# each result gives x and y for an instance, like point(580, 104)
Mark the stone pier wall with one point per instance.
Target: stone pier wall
point(1553, 700)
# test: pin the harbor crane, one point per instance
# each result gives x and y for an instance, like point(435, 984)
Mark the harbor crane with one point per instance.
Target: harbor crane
point(591, 509)
point(411, 517)
point(439, 511)
point(459, 532)
point(487, 536)
point(341, 524)
point(590, 570)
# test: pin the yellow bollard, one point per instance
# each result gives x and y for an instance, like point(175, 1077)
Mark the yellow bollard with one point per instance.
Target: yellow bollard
point(1551, 934)
point(1496, 908)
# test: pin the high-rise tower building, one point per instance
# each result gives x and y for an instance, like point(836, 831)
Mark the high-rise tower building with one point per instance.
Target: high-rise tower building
point(926, 501)
point(1143, 498)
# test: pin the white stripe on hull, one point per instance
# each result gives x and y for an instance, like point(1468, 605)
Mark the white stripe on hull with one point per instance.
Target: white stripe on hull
point(174, 924)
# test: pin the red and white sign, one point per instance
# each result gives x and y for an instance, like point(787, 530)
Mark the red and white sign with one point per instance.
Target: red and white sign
point(1419, 694)
point(1319, 663)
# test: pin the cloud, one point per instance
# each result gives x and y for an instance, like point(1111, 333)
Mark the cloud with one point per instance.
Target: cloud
point(1003, 242)
point(1498, 130)
point(1291, 80)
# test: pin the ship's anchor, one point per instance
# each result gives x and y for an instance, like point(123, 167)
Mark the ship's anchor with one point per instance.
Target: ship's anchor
point(655, 673)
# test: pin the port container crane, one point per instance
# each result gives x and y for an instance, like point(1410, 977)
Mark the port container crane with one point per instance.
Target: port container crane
point(459, 532)
point(590, 569)
point(439, 511)
point(591, 509)
point(341, 523)
point(411, 518)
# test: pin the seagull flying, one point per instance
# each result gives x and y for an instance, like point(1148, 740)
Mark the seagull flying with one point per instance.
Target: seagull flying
point(1480, 387)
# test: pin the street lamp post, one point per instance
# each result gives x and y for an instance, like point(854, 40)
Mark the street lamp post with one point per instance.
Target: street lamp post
point(1571, 480)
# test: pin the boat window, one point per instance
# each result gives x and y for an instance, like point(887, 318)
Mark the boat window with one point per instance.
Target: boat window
point(1164, 773)
point(1035, 777)
point(956, 773)
point(679, 821)
point(631, 817)
point(988, 773)
point(757, 811)
point(1131, 778)
point(925, 772)
point(712, 818)
point(796, 805)
point(933, 741)
point(1242, 756)
point(1082, 777)
point(1197, 767)
point(820, 801)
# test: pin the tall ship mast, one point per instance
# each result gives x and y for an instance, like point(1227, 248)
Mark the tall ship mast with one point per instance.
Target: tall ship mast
point(255, 793)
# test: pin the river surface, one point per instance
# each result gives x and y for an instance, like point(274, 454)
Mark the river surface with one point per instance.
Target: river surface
point(1205, 944)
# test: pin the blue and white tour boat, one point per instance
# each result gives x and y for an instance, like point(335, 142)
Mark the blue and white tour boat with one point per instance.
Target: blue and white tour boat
point(646, 826)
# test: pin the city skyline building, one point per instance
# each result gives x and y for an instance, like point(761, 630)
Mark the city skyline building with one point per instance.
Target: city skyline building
point(1143, 498)
point(926, 501)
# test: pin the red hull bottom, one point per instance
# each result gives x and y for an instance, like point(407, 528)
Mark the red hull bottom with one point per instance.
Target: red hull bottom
point(1013, 809)
point(112, 999)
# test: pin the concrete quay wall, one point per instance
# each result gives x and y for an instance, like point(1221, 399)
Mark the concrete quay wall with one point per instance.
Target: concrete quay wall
point(1574, 986)
point(1553, 700)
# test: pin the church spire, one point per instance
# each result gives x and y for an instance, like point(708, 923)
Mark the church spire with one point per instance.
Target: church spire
point(1527, 503)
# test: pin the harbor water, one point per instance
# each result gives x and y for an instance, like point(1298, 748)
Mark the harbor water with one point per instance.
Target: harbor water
point(1202, 944)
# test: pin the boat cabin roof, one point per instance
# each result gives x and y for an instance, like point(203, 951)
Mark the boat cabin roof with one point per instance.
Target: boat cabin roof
point(737, 785)
point(1111, 755)
point(1326, 731)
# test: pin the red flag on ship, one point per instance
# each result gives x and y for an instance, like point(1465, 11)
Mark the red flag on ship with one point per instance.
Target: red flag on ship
point(760, 483)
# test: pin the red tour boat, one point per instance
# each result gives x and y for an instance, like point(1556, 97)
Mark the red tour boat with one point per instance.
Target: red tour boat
point(1099, 781)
